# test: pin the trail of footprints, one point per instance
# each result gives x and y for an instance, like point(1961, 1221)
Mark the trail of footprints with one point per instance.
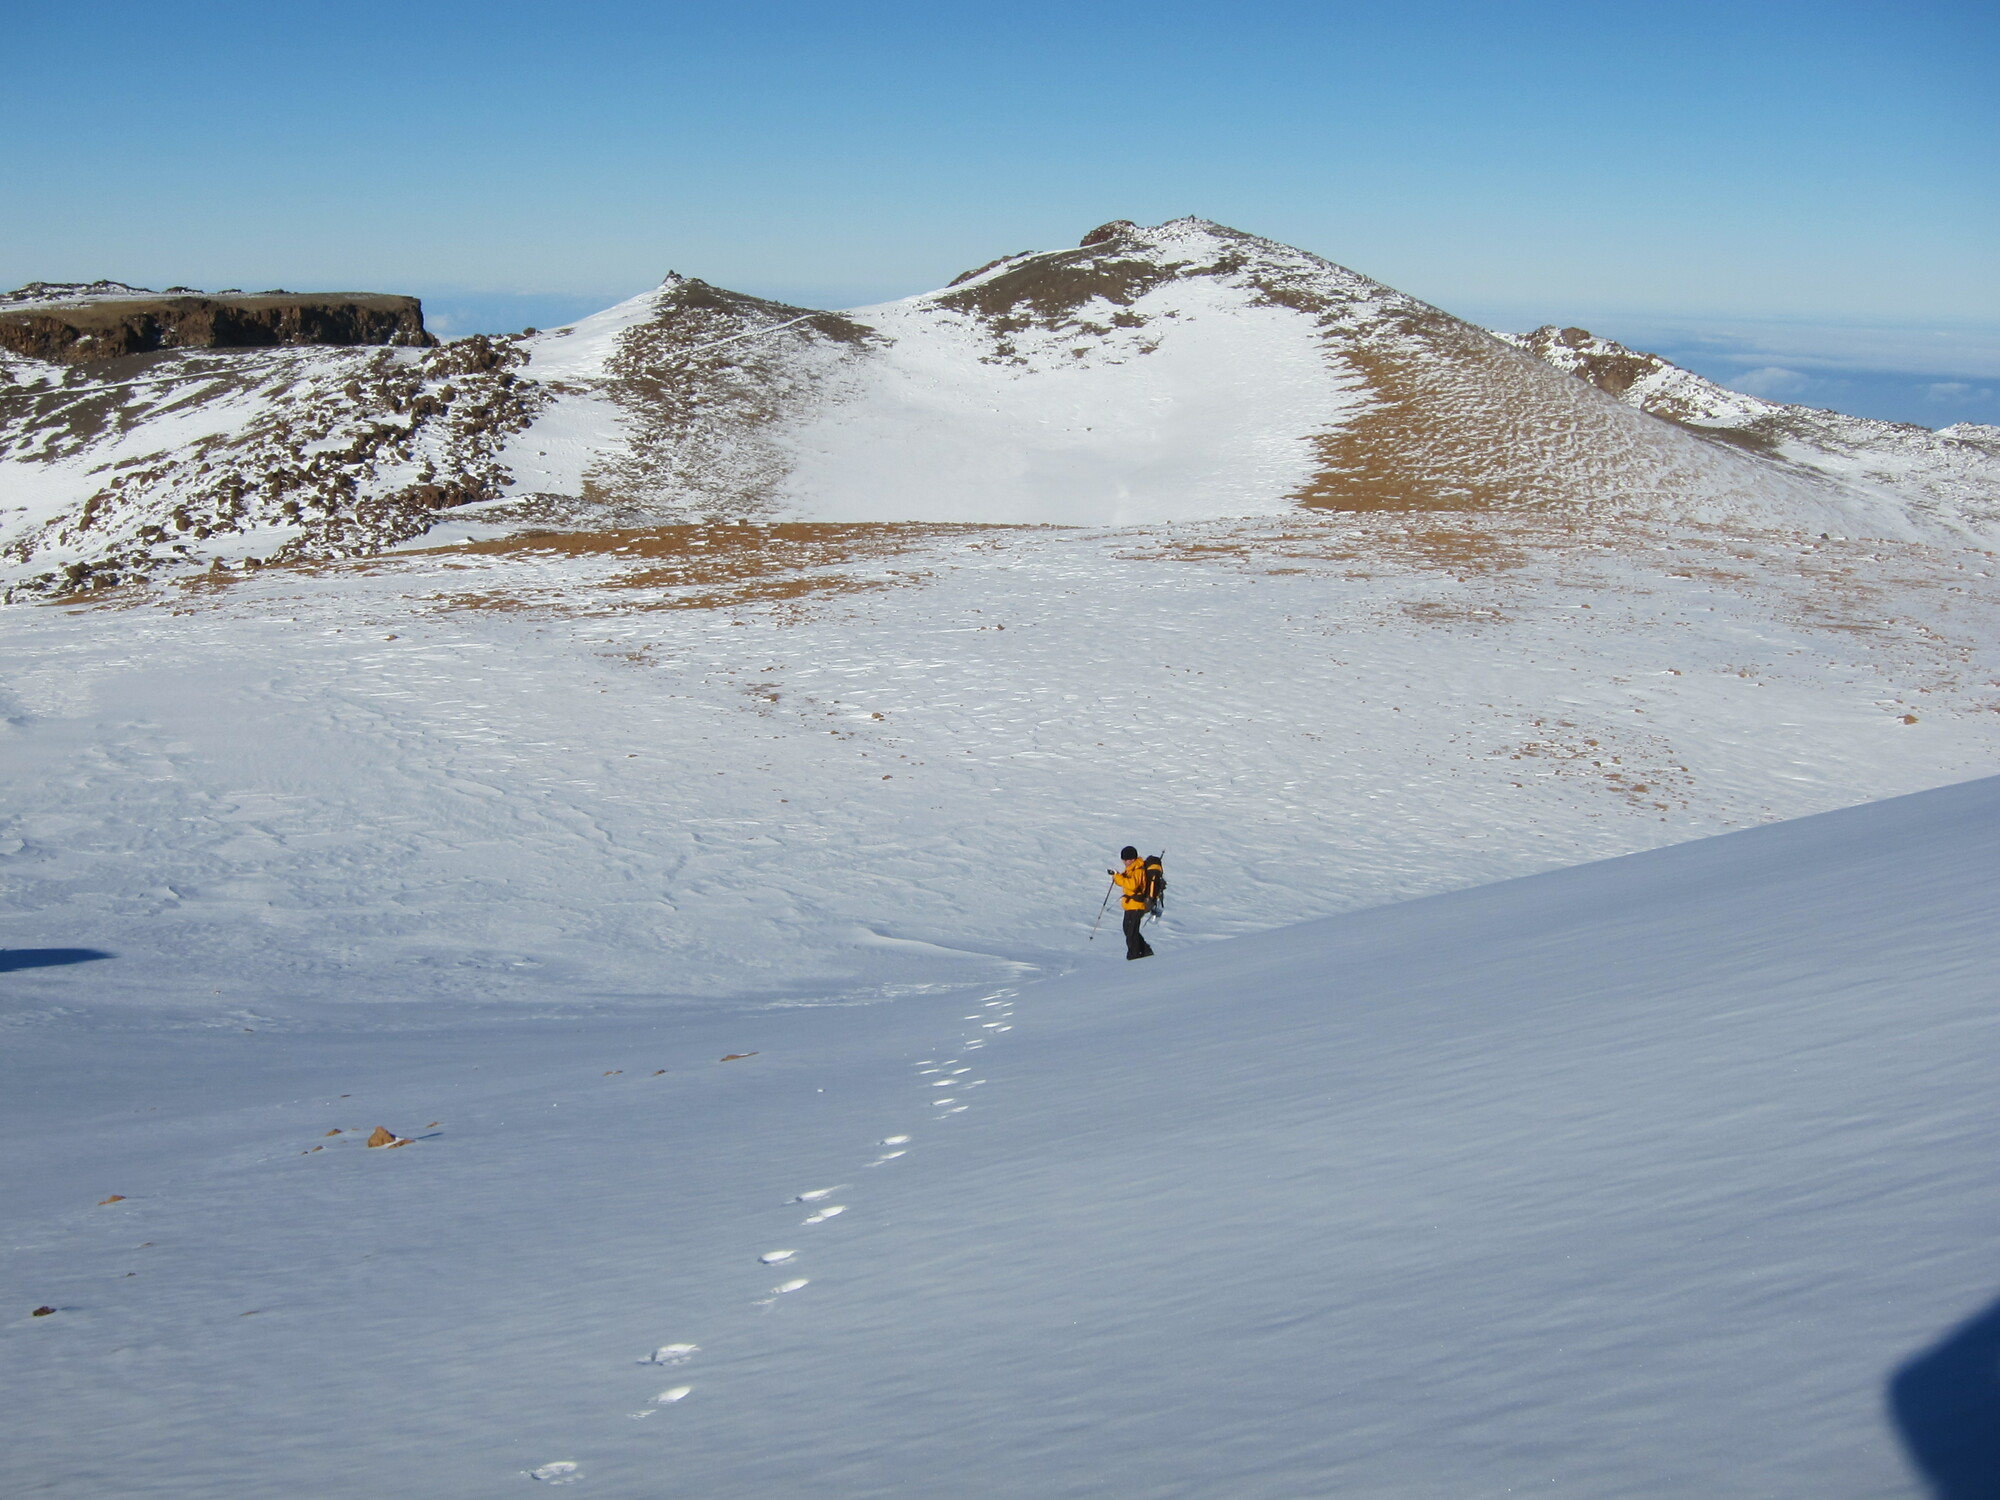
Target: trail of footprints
point(949, 1077)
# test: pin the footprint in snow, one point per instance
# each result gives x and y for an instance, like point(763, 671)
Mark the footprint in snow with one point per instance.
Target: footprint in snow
point(895, 1140)
point(887, 1156)
point(788, 1286)
point(831, 1211)
point(665, 1398)
point(817, 1194)
point(557, 1473)
point(672, 1354)
point(776, 1257)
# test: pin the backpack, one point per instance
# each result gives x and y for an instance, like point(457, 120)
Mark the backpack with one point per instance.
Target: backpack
point(1153, 885)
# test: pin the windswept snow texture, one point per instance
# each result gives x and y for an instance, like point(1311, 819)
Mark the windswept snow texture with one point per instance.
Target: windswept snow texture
point(1637, 1179)
point(526, 777)
point(1946, 478)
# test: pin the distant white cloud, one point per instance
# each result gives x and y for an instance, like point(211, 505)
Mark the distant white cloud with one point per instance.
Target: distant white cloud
point(1773, 381)
point(1926, 350)
point(1956, 390)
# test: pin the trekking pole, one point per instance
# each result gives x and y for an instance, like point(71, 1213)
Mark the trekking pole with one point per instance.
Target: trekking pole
point(1102, 908)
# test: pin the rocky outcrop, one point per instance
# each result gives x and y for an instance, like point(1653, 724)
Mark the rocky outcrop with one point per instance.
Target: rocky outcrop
point(74, 330)
point(300, 457)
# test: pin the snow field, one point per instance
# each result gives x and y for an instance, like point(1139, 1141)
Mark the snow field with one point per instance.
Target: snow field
point(695, 951)
point(1633, 1179)
point(352, 787)
point(1208, 409)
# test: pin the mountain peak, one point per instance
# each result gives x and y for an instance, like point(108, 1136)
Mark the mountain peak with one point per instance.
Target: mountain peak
point(1178, 371)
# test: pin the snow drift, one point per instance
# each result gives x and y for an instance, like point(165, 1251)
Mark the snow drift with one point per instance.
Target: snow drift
point(1643, 1178)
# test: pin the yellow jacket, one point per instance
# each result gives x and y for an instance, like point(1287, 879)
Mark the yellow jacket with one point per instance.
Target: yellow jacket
point(1132, 880)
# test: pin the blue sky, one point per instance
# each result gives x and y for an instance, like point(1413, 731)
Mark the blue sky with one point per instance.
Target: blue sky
point(1810, 186)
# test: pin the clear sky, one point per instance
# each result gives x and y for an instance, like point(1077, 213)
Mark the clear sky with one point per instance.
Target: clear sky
point(1774, 183)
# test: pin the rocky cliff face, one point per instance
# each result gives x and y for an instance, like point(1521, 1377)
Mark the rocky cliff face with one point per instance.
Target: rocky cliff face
point(74, 324)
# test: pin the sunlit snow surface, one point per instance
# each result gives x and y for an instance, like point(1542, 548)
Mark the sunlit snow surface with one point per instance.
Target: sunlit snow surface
point(1634, 1180)
point(1209, 414)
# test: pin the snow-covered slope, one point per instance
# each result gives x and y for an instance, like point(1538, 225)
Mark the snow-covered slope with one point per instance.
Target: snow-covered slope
point(1950, 475)
point(771, 763)
point(1183, 371)
point(1637, 1179)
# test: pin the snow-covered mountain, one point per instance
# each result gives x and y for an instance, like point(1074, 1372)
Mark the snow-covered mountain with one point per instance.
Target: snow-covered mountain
point(1181, 372)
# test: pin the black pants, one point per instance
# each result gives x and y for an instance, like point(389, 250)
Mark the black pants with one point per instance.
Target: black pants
point(1136, 946)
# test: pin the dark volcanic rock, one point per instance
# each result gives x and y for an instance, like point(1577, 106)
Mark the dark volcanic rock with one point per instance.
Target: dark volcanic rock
point(1105, 234)
point(74, 331)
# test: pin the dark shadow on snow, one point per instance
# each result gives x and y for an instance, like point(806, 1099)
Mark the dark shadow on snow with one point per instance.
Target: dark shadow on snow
point(1946, 1406)
point(46, 958)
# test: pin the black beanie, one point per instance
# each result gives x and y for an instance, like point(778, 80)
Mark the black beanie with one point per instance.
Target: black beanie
point(1128, 852)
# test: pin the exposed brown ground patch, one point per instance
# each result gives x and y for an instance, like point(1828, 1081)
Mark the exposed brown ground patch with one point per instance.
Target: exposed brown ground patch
point(1642, 771)
point(1473, 431)
point(1462, 421)
point(1455, 612)
point(1462, 546)
point(718, 566)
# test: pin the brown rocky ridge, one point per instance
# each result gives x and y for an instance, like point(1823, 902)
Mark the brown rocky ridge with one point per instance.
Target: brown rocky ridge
point(73, 326)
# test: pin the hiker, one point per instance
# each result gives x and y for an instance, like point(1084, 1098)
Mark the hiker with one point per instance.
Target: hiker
point(1141, 881)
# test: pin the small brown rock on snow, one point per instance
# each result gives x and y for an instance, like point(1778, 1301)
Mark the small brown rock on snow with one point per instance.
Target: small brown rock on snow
point(383, 1136)
point(114, 1198)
